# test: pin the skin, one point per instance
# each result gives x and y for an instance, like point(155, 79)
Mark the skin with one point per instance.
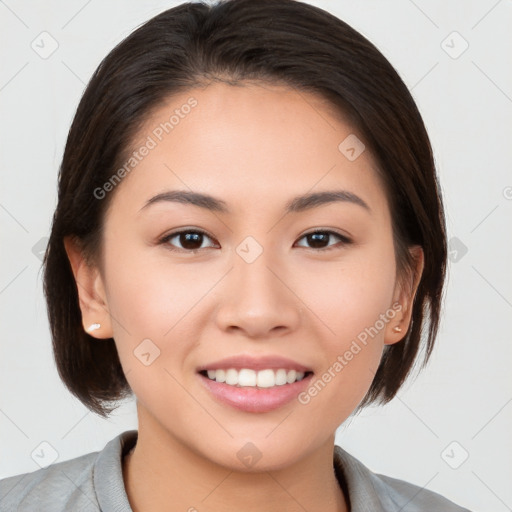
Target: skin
point(254, 146)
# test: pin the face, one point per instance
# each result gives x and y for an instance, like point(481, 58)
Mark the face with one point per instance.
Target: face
point(301, 296)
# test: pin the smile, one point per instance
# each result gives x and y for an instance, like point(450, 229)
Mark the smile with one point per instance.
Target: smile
point(247, 377)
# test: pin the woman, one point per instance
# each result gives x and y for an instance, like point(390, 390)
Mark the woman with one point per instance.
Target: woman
point(250, 238)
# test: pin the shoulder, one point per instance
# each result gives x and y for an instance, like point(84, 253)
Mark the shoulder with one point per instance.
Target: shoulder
point(64, 485)
point(88, 483)
point(380, 492)
point(413, 498)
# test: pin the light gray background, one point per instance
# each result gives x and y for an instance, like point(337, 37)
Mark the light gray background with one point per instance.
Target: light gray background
point(464, 395)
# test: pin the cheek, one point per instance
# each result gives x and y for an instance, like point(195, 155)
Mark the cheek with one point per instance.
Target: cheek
point(152, 295)
point(149, 307)
point(354, 306)
point(350, 296)
point(157, 299)
point(152, 298)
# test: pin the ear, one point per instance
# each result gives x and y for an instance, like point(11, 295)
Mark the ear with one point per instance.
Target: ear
point(403, 298)
point(91, 291)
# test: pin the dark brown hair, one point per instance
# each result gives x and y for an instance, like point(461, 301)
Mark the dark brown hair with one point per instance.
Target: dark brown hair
point(278, 41)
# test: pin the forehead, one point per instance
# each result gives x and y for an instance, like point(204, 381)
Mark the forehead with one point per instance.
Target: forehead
point(249, 142)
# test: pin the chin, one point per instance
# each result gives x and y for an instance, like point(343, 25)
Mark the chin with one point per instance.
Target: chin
point(260, 454)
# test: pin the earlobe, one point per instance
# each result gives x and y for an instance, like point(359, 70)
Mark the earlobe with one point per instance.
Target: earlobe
point(91, 292)
point(405, 292)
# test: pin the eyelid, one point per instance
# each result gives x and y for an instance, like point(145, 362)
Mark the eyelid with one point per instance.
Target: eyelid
point(345, 240)
point(165, 239)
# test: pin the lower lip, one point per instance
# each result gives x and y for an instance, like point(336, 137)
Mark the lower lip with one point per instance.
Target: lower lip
point(252, 399)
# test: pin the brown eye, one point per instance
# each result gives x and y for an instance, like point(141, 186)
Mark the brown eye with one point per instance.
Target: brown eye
point(189, 240)
point(319, 239)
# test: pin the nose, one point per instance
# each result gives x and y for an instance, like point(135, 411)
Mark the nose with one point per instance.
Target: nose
point(259, 299)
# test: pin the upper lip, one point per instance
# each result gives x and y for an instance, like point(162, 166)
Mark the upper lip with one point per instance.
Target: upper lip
point(255, 363)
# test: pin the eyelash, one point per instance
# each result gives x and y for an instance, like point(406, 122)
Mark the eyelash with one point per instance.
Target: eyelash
point(344, 240)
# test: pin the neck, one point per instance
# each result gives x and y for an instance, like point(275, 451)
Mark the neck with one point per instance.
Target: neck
point(161, 474)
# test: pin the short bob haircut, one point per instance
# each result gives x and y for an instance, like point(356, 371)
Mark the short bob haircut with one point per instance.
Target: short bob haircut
point(282, 42)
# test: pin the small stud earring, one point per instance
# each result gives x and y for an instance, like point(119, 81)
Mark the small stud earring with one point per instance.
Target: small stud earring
point(397, 328)
point(93, 327)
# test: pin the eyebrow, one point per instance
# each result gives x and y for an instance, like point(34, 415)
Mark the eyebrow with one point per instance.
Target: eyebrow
point(295, 205)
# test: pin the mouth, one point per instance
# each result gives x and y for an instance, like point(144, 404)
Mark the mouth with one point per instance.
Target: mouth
point(247, 377)
point(255, 384)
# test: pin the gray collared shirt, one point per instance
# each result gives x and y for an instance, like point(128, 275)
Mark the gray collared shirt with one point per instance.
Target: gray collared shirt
point(94, 482)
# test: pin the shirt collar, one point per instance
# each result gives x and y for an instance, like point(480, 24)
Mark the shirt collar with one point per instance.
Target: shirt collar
point(360, 486)
point(365, 491)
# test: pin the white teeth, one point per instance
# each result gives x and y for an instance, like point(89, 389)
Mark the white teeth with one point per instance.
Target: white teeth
point(280, 377)
point(232, 377)
point(291, 376)
point(265, 379)
point(252, 378)
point(247, 377)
